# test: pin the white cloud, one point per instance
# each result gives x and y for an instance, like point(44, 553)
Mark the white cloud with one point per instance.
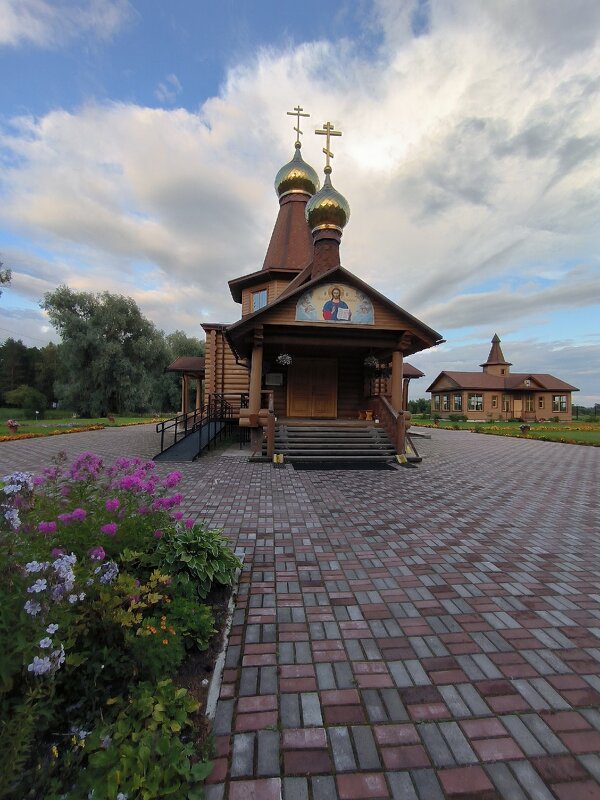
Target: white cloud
point(470, 157)
point(52, 23)
point(168, 90)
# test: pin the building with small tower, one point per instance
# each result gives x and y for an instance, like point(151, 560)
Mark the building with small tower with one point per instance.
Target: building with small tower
point(498, 393)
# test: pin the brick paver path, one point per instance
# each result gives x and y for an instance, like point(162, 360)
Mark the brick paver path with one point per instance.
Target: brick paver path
point(420, 633)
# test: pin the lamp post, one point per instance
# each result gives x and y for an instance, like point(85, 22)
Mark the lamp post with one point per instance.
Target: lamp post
point(37, 413)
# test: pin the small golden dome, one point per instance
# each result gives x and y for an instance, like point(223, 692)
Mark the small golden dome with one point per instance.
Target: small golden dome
point(296, 176)
point(327, 208)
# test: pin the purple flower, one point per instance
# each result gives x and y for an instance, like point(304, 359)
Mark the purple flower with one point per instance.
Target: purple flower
point(52, 628)
point(109, 529)
point(172, 479)
point(47, 527)
point(112, 504)
point(65, 518)
point(97, 553)
point(143, 510)
point(79, 514)
point(38, 480)
point(189, 523)
point(177, 515)
point(158, 534)
point(57, 552)
point(39, 586)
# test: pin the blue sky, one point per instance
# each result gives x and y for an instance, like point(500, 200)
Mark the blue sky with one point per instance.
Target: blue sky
point(139, 141)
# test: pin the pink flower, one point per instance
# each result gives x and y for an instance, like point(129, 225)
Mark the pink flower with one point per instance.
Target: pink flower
point(65, 518)
point(158, 534)
point(177, 514)
point(79, 514)
point(109, 529)
point(38, 480)
point(112, 504)
point(97, 553)
point(189, 523)
point(57, 552)
point(47, 527)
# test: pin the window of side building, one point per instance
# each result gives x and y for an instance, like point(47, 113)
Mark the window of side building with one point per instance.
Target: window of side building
point(494, 401)
point(559, 402)
point(541, 401)
point(445, 402)
point(436, 402)
point(259, 299)
point(505, 402)
point(529, 405)
point(457, 402)
point(475, 402)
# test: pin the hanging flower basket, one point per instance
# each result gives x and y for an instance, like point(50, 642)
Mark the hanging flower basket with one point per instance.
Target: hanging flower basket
point(371, 363)
point(12, 425)
point(283, 359)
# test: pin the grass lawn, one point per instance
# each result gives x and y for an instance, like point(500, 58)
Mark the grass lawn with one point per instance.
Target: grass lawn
point(58, 421)
point(571, 432)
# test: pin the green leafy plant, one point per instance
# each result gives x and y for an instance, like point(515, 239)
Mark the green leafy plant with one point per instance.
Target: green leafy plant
point(197, 558)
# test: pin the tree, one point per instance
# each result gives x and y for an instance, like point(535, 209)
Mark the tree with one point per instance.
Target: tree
point(419, 406)
point(167, 391)
point(15, 365)
point(5, 276)
point(180, 344)
point(29, 399)
point(110, 353)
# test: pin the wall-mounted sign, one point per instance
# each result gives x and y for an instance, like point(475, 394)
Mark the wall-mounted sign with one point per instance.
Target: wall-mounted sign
point(335, 302)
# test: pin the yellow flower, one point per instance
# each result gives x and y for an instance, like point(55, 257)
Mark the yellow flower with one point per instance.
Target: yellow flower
point(165, 641)
point(54, 750)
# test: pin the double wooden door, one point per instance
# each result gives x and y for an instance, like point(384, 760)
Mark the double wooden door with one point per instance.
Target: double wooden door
point(312, 388)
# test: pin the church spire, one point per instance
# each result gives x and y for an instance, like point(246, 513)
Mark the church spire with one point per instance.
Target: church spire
point(496, 360)
point(327, 213)
point(291, 245)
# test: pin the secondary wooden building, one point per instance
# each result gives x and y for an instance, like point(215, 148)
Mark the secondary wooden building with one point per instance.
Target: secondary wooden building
point(496, 393)
point(314, 341)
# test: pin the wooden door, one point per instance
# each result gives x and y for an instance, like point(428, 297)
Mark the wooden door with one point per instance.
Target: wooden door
point(312, 388)
point(517, 407)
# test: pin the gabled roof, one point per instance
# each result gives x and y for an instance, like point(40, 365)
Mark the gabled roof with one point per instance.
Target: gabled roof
point(504, 383)
point(189, 364)
point(408, 371)
point(250, 320)
point(260, 276)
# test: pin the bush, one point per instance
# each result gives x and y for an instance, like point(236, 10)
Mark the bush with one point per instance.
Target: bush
point(29, 399)
point(101, 587)
point(457, 417)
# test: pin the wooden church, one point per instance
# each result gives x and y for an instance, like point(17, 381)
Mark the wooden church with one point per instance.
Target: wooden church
point(315, 346)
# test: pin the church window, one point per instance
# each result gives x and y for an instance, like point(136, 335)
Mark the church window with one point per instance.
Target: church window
point(559, 402)
point(475, 402)
point(502, 371)
point(457, 402)
point(259, 299)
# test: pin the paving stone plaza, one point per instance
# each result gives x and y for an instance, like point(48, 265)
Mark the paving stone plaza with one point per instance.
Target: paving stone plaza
point(416, 633)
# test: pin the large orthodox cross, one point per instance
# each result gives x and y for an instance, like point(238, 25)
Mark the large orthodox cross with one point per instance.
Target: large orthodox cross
point(297, 112)
point(328, 131)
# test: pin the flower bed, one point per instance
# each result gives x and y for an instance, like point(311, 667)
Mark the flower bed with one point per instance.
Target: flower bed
point(102, 595)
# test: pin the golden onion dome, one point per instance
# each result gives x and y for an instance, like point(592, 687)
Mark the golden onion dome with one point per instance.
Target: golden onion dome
point(296, 176)
point(327, 208)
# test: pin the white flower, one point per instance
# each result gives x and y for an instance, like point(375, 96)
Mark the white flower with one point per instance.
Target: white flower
point(33, 566)
point(38, 586)
point(46, 642)
point(32, 607)
point(52, 628)
point(40, 666)
point(73, 598)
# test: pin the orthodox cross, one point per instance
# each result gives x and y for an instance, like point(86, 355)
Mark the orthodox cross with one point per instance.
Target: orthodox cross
point(328, 131)
point(297, 112)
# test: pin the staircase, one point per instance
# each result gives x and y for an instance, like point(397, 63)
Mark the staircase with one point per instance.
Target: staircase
point(364, 443)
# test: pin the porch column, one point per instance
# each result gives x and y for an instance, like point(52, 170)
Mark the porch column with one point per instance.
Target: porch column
point(198, 385)
point(182, 393)
point(397, 363)
point(405, 382)
point(255, 375)
point(184, 399)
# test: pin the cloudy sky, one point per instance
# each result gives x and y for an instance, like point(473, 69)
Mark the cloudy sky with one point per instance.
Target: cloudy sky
point(139, 141)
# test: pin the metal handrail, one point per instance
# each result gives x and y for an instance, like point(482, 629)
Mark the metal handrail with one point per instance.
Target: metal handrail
point(217, 410)
point(182, 424)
